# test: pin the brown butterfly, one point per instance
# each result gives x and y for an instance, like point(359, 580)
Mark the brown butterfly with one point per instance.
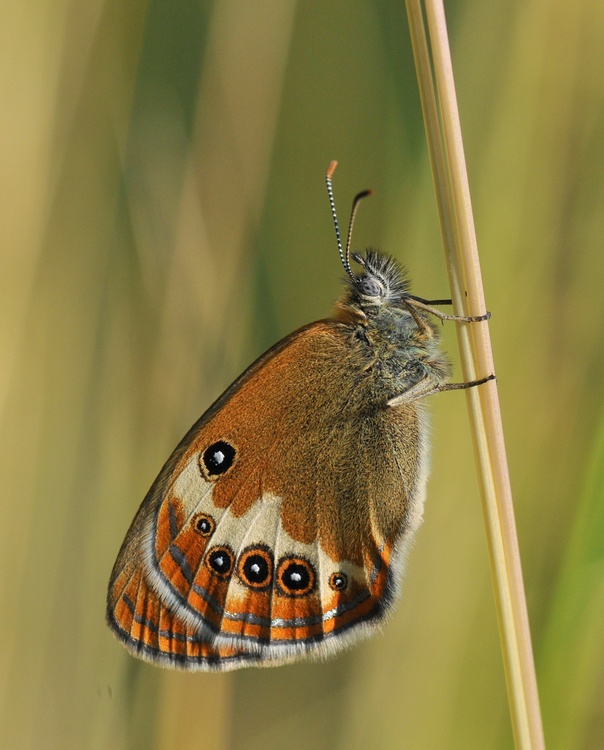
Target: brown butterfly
point(279, 526)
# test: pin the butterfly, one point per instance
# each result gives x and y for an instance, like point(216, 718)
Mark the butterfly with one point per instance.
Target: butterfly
point(279, 526)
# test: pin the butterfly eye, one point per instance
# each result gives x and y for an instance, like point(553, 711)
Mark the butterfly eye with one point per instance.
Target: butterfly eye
point(255, 567)
point(338, 581)
point(220, 561)
point(295, 576)
point(369, 286)
point(204, 524)
point(217, 458)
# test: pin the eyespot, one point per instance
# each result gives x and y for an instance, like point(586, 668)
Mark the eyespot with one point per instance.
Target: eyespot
point(338, 581)
point(255, 567)
point(203, 524)
point(295, 576)
point(220, 561)
point(217, 459)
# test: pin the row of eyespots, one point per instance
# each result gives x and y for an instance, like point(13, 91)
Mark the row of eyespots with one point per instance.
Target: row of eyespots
point(295, 575)
point(255, 568)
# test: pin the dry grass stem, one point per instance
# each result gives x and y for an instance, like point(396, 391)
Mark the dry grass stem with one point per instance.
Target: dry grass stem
point(441, 117)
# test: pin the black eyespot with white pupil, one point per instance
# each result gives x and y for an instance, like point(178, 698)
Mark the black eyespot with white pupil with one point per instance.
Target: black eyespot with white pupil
point(255, 567)
point(338, 581)
point(220, 561)
point(217, 458)
point(204, 524)
point(296, 576)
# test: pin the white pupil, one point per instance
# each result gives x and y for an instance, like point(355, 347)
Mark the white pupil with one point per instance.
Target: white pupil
point(296, 577)
point(219, 457)
point(255, 568)
point(220, 561)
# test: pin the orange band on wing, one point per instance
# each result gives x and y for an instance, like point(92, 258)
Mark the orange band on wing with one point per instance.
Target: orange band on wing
point(150, 630)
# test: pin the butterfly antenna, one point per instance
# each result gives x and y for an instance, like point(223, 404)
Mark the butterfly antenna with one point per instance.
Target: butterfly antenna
point(344, 258)
point(355, 204)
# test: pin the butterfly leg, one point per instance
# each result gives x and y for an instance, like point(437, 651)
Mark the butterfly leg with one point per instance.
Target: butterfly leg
point(417, 302)
point(425, 388)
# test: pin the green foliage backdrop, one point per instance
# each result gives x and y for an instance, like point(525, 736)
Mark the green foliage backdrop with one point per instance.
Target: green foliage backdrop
point(164, 219)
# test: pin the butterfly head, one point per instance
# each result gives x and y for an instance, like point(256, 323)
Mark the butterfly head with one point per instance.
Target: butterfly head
point(378, 297)
point(382, 282)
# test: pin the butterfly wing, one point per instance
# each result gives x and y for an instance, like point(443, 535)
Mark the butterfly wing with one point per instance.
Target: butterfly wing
point(277, 527)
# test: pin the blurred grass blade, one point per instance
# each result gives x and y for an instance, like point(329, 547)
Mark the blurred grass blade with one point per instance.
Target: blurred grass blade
point(573, 647)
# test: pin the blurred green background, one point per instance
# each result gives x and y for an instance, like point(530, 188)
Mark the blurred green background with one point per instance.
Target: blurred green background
point(164, 219)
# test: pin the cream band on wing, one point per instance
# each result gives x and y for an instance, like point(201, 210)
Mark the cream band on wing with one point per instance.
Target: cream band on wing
point(274, 589)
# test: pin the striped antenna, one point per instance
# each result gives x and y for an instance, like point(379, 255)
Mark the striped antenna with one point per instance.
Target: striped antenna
point(344, 254)
point(355, 204)
point(344, 258)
